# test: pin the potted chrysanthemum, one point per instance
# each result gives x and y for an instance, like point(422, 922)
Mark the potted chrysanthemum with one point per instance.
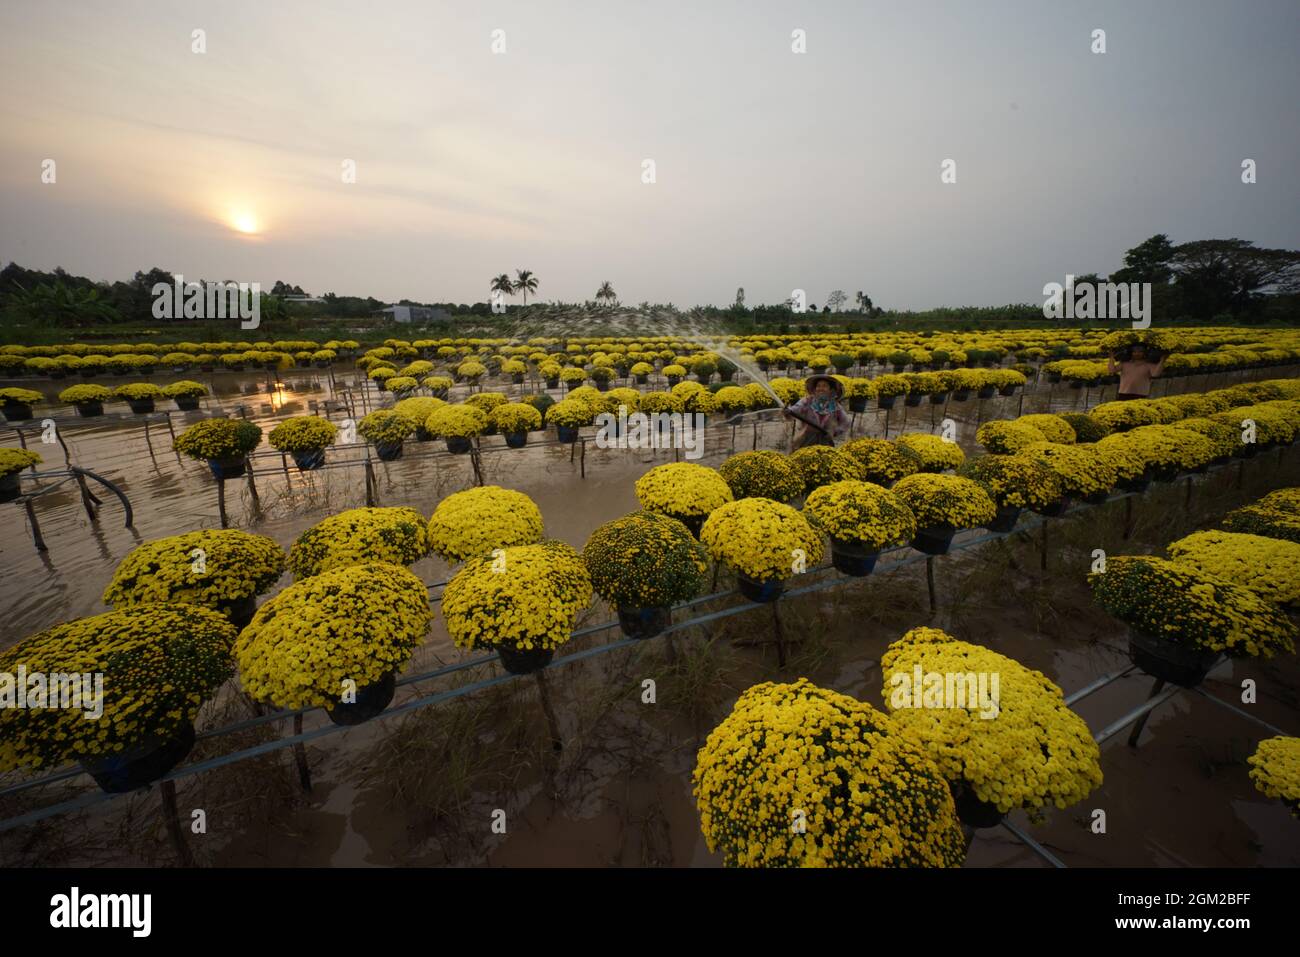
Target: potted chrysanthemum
point(568, 415)
point(864, 794)
point(221, 569)
point(888, 388)
point(438, 385)
point(1015, 483)
point(861, 519)
point(457, 425)
point(223, 443)
point(1085, 471)
point(388, 430)
point(643, 564)
point(477, 521)
point(12, 463)
point(1275, 770)
point(481, 603)
point(185, 394)
point(1009, 741)
point(1006, 437)
point(159, 664)
point(514, 420)
point(883, 462)
point(943, 504)
point(394, 535)
point(1181, 619)
point(936, 453)
point(16, 404)
point(305, 437)
point(765, 542)
point(140, 396)
point(335, 641)
point(821, 465)
point(684, 491)
point(87, 399)
point(763, 473)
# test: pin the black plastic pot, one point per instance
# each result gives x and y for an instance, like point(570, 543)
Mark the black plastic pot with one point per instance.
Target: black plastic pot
point(566, 433)
point(1182, 665)
point(371, 701)
point(309, 460)
point(986, 392)
point(761, 592)
point(240, 612)
point(692, 522)
point(858, 403)
point(1006, 519)
point(141, 406)
point(674, 379)
point(1139, 484)
point(1166, 473)
point(853, 558)
point(187, 403)
point(520, 662)
point(1097, 498)
point(934, 541)
point(886, 401)
point(11, 486)
point(552, 383)
point(913, 400)
point(17, 411)
point(973, 812)
point(516, 440)
point(642, 379)
point(89, 410)
point(1056, 509)
point(1007, 390)
point(389, 451)
point(642, 623)
point(137, 767)
point(1053, 377)
point(939, 398)
point(961, 395)
point(227, 468)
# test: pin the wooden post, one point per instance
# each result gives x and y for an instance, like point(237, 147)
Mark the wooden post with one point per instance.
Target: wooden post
point(252, 486)
point(370, 481)
point(1142, 721)
point(221, 502)
point(929, 582)
point(171, 817)
point(36, 526)
point(544, 694)
point(583, 460)
point(780, 634)
point(300, 755)
point(1128, 516)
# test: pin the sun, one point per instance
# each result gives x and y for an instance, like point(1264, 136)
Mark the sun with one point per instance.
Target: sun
point(245, 222)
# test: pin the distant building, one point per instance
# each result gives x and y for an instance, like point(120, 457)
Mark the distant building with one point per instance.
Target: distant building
point(399, 313)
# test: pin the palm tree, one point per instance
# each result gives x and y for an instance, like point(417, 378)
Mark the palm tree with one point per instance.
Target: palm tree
point(503, 285)
point(606, 292)
point(525, 282)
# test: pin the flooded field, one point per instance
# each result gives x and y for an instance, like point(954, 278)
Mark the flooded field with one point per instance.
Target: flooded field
point(426, 786)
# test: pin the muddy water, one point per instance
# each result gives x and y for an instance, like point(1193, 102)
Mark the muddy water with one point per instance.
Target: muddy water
point(620, 791)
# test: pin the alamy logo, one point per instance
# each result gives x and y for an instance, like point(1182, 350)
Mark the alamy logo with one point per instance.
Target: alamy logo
point(209, 300)
point(968, 691)
point(661, 430)
point(76, 692)
point(1098, 300)
point(103, 910)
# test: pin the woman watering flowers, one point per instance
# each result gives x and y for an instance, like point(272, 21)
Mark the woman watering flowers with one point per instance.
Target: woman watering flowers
point(820, 412)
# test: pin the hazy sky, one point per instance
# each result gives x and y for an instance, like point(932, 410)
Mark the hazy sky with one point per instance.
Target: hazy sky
point(775, 170)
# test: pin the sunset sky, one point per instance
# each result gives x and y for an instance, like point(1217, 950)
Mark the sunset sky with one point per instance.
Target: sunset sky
point(775, 170)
